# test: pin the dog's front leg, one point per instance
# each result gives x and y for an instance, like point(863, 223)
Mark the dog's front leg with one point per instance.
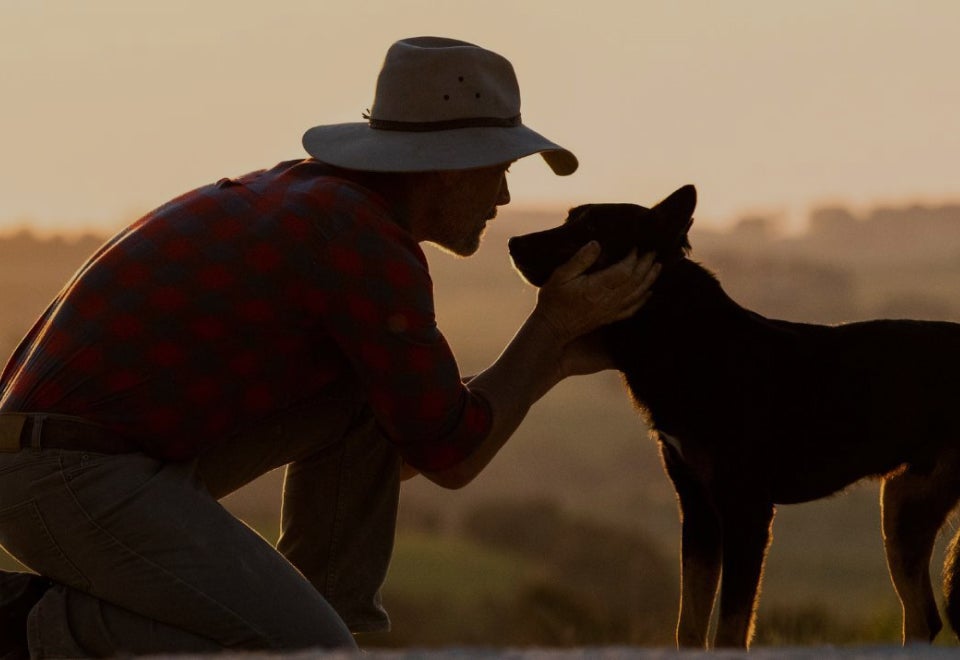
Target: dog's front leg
point(699, 553)
point(746, 535)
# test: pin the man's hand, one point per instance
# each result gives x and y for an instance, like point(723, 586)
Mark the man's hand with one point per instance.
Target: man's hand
point(573, 304)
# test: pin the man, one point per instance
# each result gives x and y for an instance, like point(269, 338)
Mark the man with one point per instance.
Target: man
point(281, 318)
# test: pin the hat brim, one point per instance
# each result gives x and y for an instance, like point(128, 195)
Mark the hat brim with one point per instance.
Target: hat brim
point(356, 146)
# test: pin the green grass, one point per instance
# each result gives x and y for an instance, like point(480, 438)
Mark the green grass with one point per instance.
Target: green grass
point(444, 591)
point(454, 569)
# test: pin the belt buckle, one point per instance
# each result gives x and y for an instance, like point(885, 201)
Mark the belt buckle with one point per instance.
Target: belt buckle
point(11, 425)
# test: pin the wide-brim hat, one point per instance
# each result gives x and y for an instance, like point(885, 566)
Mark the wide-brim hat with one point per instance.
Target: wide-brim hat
point(440, 104)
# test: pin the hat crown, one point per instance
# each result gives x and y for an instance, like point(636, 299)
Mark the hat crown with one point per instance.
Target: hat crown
point(440, 104)
point(435, 79)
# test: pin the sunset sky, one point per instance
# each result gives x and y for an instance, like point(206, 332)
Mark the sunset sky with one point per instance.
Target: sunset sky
point(110, 107)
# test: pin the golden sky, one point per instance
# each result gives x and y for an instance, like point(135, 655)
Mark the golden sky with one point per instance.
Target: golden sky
point(110, 107)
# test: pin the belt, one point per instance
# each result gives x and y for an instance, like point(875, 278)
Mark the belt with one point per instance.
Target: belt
point(50, 431)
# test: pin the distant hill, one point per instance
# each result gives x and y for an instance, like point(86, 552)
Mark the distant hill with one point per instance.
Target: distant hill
point(32, 271)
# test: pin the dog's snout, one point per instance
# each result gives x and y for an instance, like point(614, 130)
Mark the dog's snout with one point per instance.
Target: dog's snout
point(519, 248)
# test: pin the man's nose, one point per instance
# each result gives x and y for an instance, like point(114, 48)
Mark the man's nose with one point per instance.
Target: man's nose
point(504, 197)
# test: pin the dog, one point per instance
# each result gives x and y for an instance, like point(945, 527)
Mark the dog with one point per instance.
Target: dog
point(751, 412)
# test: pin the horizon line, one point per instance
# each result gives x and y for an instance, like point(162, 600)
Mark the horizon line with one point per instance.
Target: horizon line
point(74, 229)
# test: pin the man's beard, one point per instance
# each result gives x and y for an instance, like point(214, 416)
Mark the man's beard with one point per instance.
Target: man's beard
point(466, 246)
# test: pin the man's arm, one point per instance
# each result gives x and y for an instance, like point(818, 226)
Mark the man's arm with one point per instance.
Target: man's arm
point(545, 350)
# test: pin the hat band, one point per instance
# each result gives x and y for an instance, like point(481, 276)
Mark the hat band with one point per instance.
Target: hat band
point(443, 125)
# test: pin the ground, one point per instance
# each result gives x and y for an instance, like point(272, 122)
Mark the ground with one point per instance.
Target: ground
point(915, 652)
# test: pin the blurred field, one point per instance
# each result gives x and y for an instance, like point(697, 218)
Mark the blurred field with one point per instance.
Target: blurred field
point(571, 536)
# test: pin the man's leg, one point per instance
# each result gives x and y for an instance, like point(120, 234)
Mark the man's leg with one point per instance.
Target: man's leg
point(339, 502)
point(136, 542)
point(338, 522)
point(67, 623)
point(19, 592)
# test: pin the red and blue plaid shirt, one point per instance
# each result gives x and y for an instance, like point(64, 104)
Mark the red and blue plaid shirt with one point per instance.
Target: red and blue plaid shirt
point(240, 299)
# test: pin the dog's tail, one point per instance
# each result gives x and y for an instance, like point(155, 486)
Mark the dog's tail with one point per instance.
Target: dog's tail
point(951, 584)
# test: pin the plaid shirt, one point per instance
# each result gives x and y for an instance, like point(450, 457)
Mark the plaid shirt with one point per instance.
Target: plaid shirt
point(240, 299)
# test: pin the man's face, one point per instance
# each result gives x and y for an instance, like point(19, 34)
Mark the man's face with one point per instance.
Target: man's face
point(465, 201)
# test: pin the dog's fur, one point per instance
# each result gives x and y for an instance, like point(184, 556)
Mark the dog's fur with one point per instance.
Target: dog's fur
point(752, 412)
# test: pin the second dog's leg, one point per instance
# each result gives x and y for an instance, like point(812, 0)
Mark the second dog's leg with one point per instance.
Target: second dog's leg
point(914, 507)
point(746, 535)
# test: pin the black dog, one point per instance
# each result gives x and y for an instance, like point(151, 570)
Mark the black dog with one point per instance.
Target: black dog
point(751, 412)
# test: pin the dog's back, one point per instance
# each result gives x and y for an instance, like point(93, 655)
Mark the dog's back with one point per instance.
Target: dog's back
point(795, 398)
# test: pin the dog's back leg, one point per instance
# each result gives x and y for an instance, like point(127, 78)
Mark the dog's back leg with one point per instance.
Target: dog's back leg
point(914, 506)
point(951, 584)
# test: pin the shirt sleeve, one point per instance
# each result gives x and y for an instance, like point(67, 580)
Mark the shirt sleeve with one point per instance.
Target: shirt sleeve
point(377, 299)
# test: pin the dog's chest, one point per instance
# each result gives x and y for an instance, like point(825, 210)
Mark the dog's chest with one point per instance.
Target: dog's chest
point(673, 442)
point(682, 450)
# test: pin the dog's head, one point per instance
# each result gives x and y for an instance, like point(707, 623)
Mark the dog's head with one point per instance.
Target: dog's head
point(619, 228)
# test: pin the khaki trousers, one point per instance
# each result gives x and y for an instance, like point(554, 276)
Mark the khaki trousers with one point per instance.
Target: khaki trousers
point(146, 560)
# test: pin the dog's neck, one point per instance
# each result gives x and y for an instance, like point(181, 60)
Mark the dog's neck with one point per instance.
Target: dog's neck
point(686, 309)
point(681, 331)
point(688, 289)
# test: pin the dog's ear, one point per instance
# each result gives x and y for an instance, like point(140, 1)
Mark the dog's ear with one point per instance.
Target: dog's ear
point(675, 217)
point(576, 212)
point(681, 203)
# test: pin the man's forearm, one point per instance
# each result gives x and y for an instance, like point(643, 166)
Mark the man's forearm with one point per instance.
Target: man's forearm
point(526, 370)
